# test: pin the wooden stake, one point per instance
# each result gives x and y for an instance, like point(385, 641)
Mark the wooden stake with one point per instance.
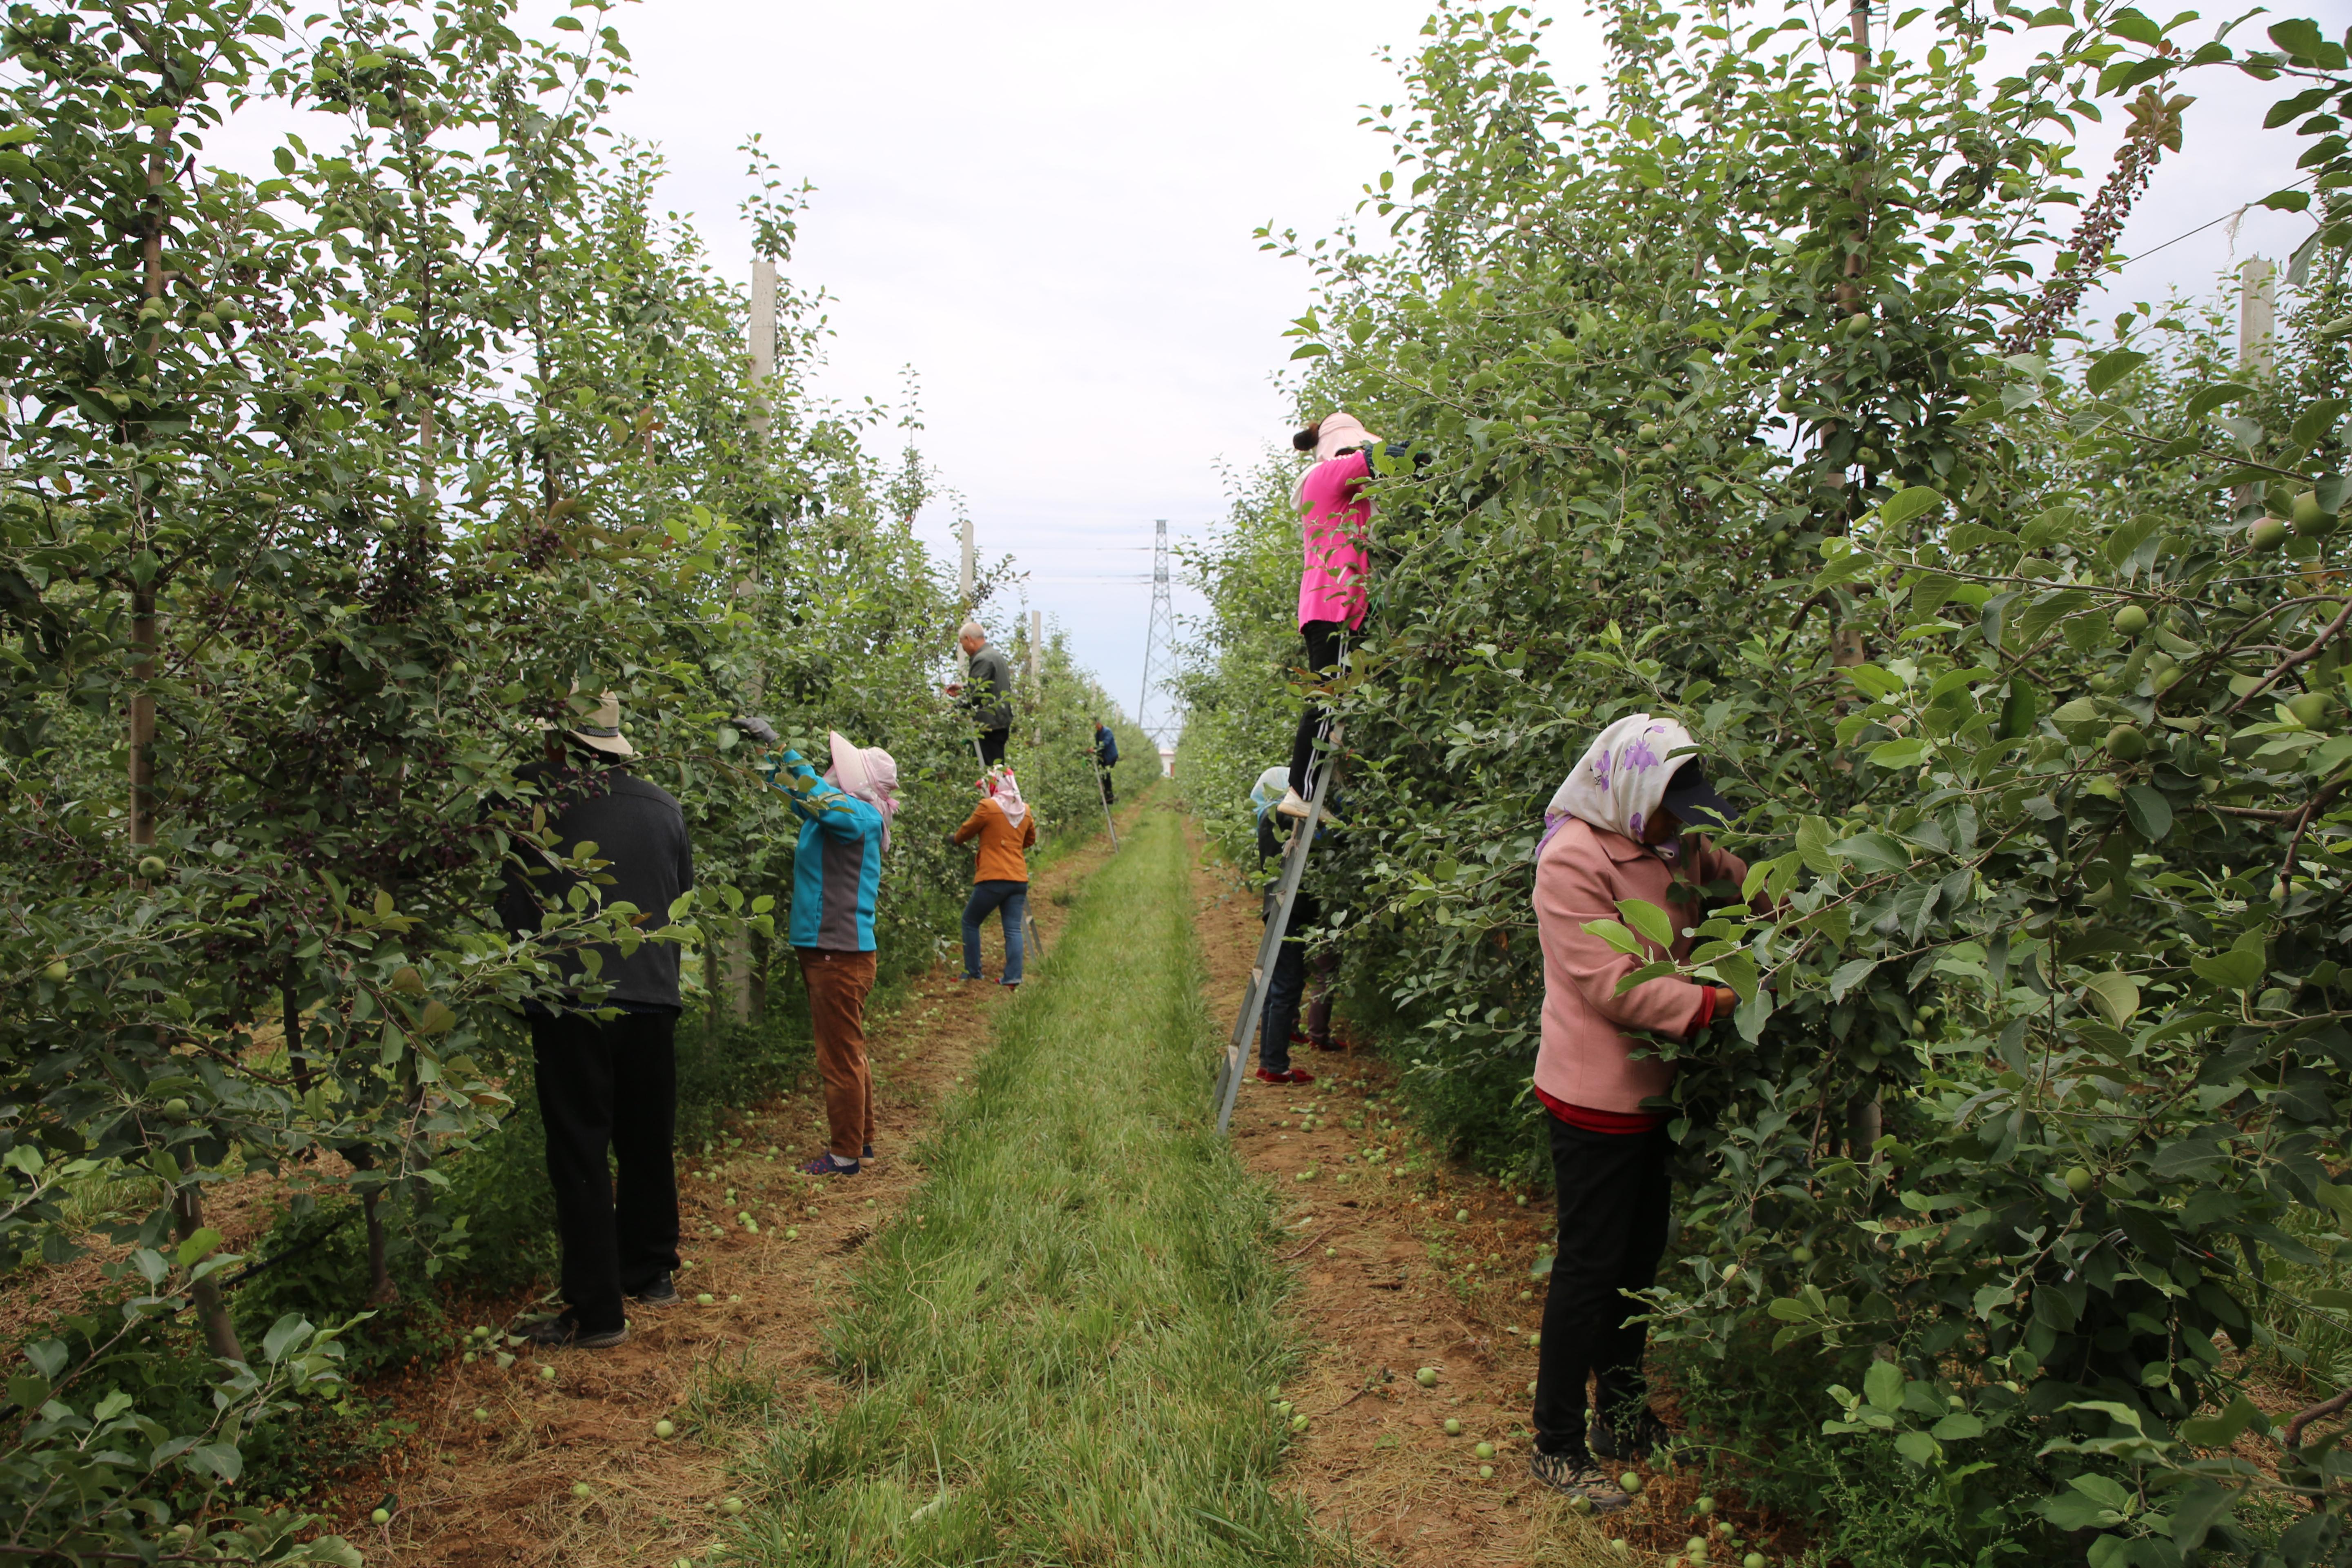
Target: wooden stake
point(762, 333)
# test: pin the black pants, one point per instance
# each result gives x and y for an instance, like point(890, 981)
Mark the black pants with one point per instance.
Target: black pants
point(1323, 648)
point(610, 1084)
point(1613, 1193)
point(1109, 794)
point(991, 746)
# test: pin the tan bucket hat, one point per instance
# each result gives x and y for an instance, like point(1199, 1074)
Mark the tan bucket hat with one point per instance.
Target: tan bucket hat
point(600, 728)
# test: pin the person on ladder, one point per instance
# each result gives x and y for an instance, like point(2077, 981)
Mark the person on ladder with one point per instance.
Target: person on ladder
point(1615, 830)
point(1005, 827)
point(987, 691)
point(1334, 524)
point(1106, 759)
point(1278, 1028)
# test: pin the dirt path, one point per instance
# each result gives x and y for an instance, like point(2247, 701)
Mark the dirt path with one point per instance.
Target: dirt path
point(493, 1471)
point(1407, 1261)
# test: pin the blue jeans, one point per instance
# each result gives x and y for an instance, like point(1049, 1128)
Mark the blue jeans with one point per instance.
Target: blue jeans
point(1014, 899)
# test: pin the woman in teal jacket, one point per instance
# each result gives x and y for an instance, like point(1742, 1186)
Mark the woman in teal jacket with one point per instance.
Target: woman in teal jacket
point(836, 872)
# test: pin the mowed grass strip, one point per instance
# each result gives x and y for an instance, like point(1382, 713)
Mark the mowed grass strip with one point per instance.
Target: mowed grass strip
point(1067, 1359)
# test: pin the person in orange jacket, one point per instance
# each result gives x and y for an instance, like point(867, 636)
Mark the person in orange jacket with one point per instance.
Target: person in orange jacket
point(1005, 827)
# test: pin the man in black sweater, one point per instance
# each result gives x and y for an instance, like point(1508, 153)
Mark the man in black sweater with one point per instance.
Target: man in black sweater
point(606, 1081)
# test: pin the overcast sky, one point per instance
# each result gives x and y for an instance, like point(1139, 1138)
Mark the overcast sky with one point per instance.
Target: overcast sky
point(1046, 209)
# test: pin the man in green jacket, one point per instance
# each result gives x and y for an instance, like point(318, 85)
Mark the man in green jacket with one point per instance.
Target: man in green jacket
point(987, 692)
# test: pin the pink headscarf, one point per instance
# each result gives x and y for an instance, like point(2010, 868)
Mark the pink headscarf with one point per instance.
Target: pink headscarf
point(868, 772)
point(1005, 791)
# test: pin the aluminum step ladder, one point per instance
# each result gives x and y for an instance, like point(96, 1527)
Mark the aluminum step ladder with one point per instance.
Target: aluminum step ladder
point(1294, 866)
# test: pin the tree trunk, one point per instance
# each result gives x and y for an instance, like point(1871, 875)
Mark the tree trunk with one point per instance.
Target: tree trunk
point(382, 1291)
point(1864, 1120)
point(290, 1020)
point(212, 1310)
point(143, 594)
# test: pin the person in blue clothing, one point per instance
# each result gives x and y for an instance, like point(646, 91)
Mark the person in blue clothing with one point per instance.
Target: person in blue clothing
point(1105, 758)
point(836, 872)
point(1287, 986)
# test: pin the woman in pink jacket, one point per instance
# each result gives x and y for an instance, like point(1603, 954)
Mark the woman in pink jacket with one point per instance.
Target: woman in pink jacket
point(1334, 526)
point(1614, 831)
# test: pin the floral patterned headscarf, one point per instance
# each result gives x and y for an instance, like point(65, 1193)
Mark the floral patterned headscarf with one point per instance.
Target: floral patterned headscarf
point(1622, 779)
point(1000, 786)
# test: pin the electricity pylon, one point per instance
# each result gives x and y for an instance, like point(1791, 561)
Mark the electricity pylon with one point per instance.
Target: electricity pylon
point(1159, 644)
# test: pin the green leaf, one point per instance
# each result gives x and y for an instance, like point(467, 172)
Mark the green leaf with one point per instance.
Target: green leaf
point(1848, 974)
point(1958, 1426)
point(198, 1246)
point(2017, 713)
point(2220, 1430)
point(1737, 970)
point(2111, 368)
point(1883, 1385)
point(1617, 937)
point(1917, 1447)
point(1791, 1310)
point(1649, 919)
point(1918, 501)
point(290, 1330)
point(2113, 994)
point(2314, 423)
point(2151, 813)
point(1894, 755)
point(1873, 682)
point(1813, 846)
point(2239, 969)
point(2211, 397)
point(1873, 852)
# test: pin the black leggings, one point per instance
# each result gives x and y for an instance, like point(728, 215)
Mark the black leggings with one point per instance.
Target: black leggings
point(1613, 1192)
point(1326, 640)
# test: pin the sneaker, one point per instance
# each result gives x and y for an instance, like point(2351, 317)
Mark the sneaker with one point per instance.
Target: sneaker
point(1293, 1076)
point(661, 1292)
point(1577, 1477)
point(1290, 805)
point(1328, 1044)
point(825, 1165)
point(867, 1155)
point(564, 1331)
point(1649, 1434)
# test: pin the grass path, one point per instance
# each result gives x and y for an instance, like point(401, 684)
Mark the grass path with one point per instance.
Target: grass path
point(1061, 1352)
point(470, 1493)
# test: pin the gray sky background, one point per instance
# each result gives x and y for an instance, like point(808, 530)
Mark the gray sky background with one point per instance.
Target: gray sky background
point(1046, 210)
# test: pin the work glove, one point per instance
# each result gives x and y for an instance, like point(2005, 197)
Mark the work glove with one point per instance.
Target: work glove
point(760, 729)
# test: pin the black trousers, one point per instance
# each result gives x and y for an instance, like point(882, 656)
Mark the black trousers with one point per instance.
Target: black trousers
point(1109, 794)
point(610, 1085)
point(991, 746)
point(1613, 1193)
point(1323, 642)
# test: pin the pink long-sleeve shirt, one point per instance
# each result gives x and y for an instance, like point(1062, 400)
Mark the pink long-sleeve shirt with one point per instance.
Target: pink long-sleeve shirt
point(1586, 1058)
point(1334, 519)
